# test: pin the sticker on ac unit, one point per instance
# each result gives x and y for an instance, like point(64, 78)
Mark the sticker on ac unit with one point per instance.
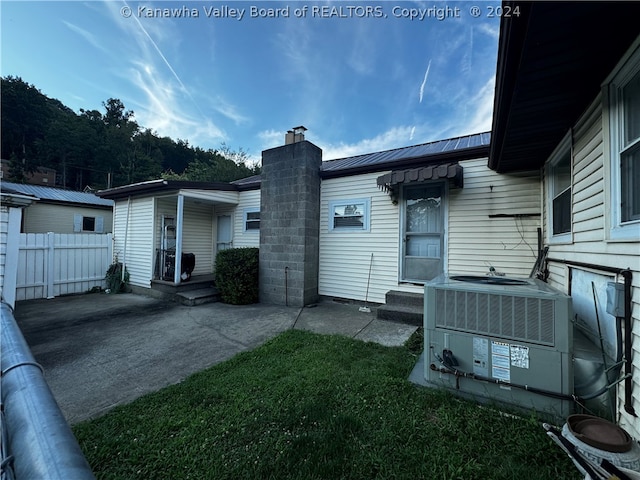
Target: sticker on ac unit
point(519, 356)
point(500, 367)
point(481, 356)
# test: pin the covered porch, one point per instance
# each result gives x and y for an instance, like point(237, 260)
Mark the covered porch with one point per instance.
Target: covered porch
point(190, 227)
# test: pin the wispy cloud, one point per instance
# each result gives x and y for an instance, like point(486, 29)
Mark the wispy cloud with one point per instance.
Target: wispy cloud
point(482, 105)
point(159, 112)
point(167, 104)
point(392, 138)
point(424, 81)
point(362, 55)
point(88, 36)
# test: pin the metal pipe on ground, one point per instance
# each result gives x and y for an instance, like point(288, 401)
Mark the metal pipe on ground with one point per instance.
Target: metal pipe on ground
point(39, 439)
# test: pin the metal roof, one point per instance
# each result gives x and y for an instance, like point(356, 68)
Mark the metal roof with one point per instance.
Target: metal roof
point(433, 153)
point(458, 148)
point(161, 185)
point(57, 195)
point(552, 60)
point(248, 183)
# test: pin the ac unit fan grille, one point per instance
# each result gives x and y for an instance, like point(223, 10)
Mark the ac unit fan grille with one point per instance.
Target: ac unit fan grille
point(506, 316)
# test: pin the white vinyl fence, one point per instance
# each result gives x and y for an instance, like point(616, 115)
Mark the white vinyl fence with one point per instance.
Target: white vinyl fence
point(54, 264)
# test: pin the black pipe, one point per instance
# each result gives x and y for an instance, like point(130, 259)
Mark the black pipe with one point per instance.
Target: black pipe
point(480, 378)
point(286, 286)
point(628, 347)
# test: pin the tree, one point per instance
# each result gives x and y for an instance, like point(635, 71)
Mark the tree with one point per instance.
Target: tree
point(100, 149)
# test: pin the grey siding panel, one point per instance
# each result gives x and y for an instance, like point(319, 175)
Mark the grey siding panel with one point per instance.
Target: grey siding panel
point(46, 217)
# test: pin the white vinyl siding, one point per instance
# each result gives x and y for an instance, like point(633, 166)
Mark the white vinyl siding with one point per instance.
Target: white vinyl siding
point(345, 255)
point(508, 240)
point(46, 217)
point(197, 236)
point(590, 225)
point(249, 199)
point(139, 254)
point(474, 241)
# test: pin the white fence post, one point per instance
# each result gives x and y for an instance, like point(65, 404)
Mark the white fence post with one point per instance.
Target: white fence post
point(50, 264)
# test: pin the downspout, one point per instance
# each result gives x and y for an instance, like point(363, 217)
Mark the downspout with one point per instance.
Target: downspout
point(126, 234)
point(628, 340)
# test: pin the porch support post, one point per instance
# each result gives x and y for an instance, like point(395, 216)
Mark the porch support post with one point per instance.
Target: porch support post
point(179, 221)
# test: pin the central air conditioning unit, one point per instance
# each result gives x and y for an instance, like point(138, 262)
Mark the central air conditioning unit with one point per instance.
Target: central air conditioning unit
point(502, 340)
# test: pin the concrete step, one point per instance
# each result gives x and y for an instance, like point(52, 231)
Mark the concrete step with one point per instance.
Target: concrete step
point(395, 297)
point(192, 298)
point(409, 314)
point(196, 283)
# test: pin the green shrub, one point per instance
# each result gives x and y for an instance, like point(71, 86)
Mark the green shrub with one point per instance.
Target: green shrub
point(114, 280)
point(237, 275)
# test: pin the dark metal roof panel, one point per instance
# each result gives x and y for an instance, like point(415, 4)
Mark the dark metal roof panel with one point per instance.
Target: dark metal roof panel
point(248, 183)
point(57, 195)
point(428, 151)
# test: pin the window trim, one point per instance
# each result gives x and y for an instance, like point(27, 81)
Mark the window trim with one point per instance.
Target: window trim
point(245, 220)
point(564, 147)
point(628, 68)
point(366, 215)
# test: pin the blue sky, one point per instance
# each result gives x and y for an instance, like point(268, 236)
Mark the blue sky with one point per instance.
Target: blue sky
point(360, 79)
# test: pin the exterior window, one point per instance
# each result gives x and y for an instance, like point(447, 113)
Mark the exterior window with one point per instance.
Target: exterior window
point(350, 214)
point(88, 224)
point(82, 223)
point(559, 191)
point(624, 124)
point(630, 151)
point(252, 220)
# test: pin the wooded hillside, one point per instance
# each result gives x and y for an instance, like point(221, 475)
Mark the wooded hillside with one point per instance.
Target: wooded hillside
point(97, 148)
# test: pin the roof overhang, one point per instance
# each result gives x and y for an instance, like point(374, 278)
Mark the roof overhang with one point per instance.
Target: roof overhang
point(552, 61)
point(155, 187)
point(16, 200)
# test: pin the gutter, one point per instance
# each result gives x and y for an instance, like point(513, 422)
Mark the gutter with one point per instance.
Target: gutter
point(628, 340)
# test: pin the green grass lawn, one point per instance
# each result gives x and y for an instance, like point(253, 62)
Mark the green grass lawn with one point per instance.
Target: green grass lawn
point(307, 406)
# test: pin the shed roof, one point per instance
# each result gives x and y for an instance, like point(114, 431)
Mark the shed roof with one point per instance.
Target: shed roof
point(56, 195)
point(552, 60)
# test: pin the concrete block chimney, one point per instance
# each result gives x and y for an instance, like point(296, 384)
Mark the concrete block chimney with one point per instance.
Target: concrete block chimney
point(290, 222)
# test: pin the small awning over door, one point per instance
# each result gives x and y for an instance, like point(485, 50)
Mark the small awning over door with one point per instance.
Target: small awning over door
point(391, 182)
